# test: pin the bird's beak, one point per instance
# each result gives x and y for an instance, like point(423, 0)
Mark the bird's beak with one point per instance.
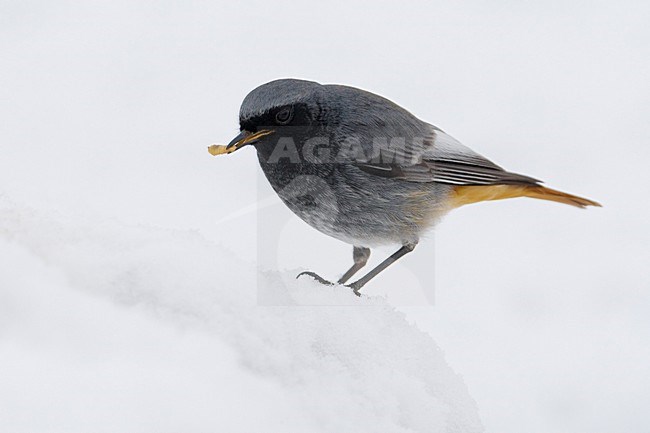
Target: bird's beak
point(238, 142)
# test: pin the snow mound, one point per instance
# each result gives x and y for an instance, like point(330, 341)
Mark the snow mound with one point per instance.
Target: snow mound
point(107, 327)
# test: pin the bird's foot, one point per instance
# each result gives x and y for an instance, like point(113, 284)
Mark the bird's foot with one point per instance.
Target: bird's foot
point(355, 287)
point(325, 282)
point(316, 277)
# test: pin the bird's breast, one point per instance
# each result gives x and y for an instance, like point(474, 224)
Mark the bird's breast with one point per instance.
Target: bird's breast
point(353, 206)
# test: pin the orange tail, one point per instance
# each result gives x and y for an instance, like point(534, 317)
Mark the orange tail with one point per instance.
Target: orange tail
point(467, 194)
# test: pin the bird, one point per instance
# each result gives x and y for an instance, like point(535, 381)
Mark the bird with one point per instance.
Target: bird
point(362, 169)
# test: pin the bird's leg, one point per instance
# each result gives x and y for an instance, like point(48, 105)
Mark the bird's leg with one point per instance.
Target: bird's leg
point(357, 285)
point(360, 256)
point(363, 254)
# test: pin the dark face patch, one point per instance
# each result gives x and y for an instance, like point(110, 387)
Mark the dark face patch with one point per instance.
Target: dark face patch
point(294, 115)
point(289, 122)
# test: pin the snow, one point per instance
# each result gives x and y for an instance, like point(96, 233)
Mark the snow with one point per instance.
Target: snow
point(111, 327)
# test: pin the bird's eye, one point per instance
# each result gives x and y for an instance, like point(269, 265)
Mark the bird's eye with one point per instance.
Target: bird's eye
point(284, 116)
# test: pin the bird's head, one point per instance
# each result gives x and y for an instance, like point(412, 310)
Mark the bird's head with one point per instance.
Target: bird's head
point(286, 108)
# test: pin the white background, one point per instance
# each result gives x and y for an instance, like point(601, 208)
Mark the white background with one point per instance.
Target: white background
point(107, 109)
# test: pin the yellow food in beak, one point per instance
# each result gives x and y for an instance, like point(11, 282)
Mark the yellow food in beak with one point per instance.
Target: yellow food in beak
point(219, 149)
point(238, 142)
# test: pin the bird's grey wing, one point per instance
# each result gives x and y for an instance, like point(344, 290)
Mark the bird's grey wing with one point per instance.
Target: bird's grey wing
point(438, 157)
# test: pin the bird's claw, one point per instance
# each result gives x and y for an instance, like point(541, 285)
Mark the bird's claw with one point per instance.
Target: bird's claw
point(325, 282)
